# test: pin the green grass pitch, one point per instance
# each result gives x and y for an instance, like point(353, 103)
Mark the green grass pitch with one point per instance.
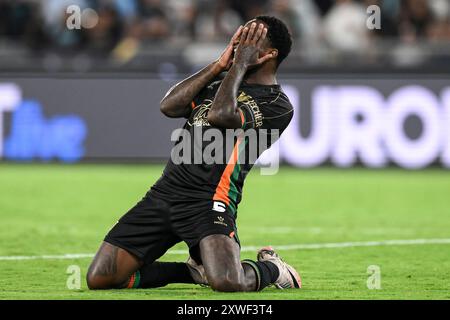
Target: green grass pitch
point(59, 209)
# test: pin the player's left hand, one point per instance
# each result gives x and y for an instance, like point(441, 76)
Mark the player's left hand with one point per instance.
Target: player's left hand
point(226, 59)
point(250, 46)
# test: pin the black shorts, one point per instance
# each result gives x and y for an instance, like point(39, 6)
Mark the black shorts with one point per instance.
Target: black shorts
point(159, 222)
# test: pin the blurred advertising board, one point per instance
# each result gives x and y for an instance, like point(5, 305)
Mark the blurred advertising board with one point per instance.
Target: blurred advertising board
point(339, 120)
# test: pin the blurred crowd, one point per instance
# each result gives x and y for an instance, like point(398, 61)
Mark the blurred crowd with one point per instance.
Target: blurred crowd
point(124, 25)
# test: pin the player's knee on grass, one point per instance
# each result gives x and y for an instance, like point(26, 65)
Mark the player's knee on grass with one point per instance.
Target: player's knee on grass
point(221, 258)
point(226, 284)
point(111, 268)
point(97, 282)
point(236, 280)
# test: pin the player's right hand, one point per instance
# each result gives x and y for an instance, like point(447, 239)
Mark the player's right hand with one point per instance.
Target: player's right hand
point(226, 59)
point(249, 50)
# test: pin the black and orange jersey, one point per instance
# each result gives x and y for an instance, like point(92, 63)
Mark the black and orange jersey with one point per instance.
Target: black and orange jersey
point(263, 108)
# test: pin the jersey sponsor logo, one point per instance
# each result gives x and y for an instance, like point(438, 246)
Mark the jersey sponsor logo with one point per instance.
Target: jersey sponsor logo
point(249, 102)
point(219, 206)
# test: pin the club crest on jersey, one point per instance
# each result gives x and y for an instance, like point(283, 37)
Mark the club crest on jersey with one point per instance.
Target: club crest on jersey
point(201, 116)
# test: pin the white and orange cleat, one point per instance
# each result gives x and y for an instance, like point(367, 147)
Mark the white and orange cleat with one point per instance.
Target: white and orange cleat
point(289, 277)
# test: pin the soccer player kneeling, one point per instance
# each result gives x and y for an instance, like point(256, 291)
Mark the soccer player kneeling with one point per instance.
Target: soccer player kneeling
point(197, 202)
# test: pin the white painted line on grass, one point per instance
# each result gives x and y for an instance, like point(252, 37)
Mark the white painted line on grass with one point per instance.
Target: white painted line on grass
point(289, 247)
point(48, 257)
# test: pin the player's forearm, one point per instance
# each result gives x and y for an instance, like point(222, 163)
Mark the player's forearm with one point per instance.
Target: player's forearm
point(224, 112)
point(178, 99)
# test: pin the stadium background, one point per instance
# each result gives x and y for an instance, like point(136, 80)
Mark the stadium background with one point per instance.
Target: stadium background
point(81, 136)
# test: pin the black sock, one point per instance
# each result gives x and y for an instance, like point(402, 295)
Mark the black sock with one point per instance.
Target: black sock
point(266, 273)
point(160, 274)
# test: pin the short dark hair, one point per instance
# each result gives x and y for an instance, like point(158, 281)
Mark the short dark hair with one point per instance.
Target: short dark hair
point(278, 35)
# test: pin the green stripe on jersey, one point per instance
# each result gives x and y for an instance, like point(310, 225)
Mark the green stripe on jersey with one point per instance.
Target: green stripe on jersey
point(233, 193)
